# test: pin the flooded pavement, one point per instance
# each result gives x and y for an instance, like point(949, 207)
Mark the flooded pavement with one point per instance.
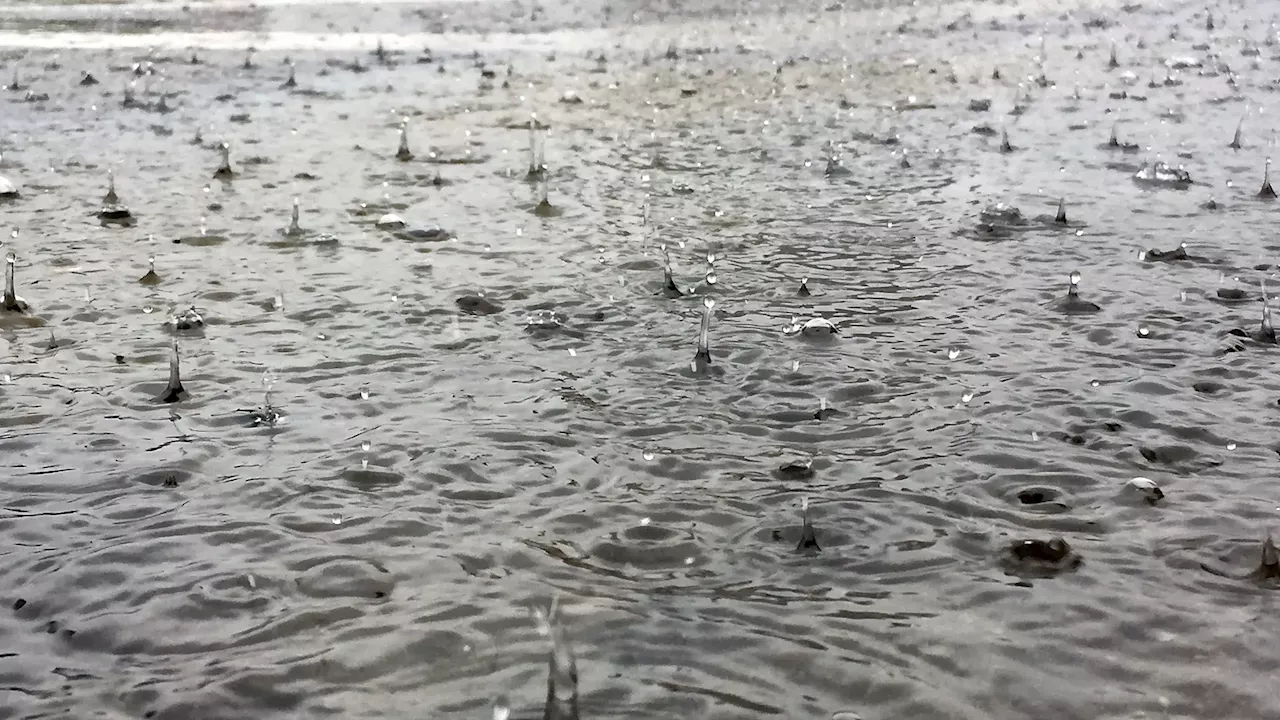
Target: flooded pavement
point(821, 360)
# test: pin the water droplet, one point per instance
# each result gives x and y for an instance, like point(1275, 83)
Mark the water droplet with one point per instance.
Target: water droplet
point(953, 353)
point(795, 365)
point(1143, 331)
point(1231, 446)
point(364, 392)
point(500, 710)
point(6, 379)
point(1075, 277)
point(647, 455)
point(573, 353)
point(148, 309)
point(644, 522)
point(966, 397)
point(711, 278)
point(1095, 383)
point(1035, 436)
point(709, 303)
point(366, 445)
point(336, 519)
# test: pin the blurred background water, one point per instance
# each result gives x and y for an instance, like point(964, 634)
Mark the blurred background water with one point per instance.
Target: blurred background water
point(494, 405)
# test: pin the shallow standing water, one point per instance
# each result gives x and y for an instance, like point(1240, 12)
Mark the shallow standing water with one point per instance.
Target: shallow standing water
point(437, 474)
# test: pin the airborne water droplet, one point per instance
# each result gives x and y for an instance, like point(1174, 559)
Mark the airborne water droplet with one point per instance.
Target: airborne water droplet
point(647, 455)
point(1231, 446)
point(364, 392)
point(1143, 331)
point(953, 353)
point(966, 397)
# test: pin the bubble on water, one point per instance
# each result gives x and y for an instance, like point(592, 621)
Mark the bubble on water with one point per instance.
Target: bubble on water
point(1231, 446)
point(711, 278)
point(1095, 383)
point(148, 309)
point(1143, 331)
point(709, 303)
point(647, 455)
point(953, 353)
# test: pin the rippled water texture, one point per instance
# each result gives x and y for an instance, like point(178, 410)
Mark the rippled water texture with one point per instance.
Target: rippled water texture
point(494, 405)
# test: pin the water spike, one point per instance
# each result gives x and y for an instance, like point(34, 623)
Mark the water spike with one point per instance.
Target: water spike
point(702, 359)
point(808, 536)
point(1235, 139)
point(537, 150)
point(1208, 20)
point(1115, 139)
point(562, 671)
point(173, 391)
point(224, 171)
point(1270, 557)
point(111, 198)
point(294, 227)
point(804, 288)
point(1061, 217)
point(403, 154)
point(1005, 147)
point(151, 278)
point(1266, 192)
point(292, 81)
point(12, 303)
point(1113, 62)
point(669, 287)
point(198, 139)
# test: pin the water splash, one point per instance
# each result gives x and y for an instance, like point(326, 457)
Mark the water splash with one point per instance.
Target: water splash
point(1235, 139)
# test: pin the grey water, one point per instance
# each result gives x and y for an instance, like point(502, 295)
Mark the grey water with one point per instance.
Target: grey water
point(420, 408)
